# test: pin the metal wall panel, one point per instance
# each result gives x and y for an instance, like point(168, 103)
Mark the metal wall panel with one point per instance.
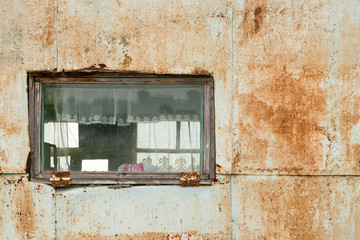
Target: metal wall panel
point(292, 207)
point(287, 102)
point(144, 212)
point(297, 95)
point(282, 68)
point(27, 42)
point(27, 210)
point(185, 37)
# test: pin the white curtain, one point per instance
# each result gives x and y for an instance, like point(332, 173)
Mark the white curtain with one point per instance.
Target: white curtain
point(163, 135)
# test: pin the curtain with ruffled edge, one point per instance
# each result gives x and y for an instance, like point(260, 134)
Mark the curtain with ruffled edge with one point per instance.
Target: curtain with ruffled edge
point(121, 105)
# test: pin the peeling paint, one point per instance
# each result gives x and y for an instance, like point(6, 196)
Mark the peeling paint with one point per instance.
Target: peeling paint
point(27, 209)
point(147, 209)
point(281, 99)
point(154, 236)
point(295, 207)
point(190, 179)
point(287, 102)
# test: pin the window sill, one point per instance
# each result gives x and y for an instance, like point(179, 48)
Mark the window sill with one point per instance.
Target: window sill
point(115, 178)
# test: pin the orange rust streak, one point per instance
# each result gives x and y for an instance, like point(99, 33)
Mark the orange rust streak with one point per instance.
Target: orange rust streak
point(153, 235)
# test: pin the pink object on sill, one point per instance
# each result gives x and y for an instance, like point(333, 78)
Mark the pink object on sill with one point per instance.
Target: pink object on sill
point(133, 167)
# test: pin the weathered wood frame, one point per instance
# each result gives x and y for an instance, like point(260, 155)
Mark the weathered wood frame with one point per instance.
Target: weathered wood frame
point(37, 79)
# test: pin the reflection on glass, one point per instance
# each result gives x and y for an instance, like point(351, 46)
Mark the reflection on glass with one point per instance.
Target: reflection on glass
point(94, 165)
point(62, 134)
point(122, 128)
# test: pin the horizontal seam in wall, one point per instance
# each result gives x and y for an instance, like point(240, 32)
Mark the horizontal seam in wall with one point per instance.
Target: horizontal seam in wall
point(293, 175)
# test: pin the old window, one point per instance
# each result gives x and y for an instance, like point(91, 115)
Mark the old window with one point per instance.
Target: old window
point(108, 128)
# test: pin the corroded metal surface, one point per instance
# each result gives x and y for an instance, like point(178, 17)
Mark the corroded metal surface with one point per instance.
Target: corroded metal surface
point(287, 102)
point(297, 95)
point(27, 210)
point(190, 178)
point(185, 37)
point(27, 41)
point(144, 211)
point(295, 207)
point(60, 179)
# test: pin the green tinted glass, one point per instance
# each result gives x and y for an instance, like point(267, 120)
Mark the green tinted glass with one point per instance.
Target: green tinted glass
point(122, 128)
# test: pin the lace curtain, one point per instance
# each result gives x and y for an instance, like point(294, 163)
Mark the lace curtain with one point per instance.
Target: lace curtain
point(121, 105)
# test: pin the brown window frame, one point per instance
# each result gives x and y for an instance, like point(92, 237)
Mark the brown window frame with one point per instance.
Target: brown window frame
point(37, 79)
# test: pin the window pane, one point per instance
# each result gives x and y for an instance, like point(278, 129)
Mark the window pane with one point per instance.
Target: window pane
point(93, 127)
point(96, 165)
point(62, 134)
point(190, 135)
point(157, 135)
point(169, 162)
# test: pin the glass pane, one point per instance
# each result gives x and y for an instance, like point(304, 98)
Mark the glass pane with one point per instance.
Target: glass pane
point(190, 135)
point(122, 128)
point(157, 135)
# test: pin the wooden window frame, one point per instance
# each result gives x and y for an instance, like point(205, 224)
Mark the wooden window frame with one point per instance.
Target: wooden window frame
point(37, 79)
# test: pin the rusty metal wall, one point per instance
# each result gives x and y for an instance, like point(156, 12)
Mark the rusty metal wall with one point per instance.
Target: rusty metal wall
point(287, 116)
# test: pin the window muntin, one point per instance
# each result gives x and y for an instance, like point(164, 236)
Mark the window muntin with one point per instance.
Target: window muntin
point(177, 110)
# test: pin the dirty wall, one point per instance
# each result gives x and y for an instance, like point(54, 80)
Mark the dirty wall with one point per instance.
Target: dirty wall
point(287, 105)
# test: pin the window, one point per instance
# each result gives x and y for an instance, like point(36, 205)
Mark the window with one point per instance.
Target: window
point(111, 128)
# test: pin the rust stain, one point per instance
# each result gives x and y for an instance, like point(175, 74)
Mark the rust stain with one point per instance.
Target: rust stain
point(118, 2)
point(24, 214)
point(3, 158)
point(295, 170)
point(60, 174)
point(353, 153)
point(222, 14)
point(282, 113)
point(253, 18)
point(95, 67)
point(61, 179)
point(11, 129)
point(47, 36)
point(124, 41)
point(11, 119)
point(281, 121)
point(153, 236)
point(283, 102)
point(290, 108)
point(357, 218)
point(14, 182)
point(349, 117)
point(219, 169)
point(190, 179)
point(254, 148)
point(258, 19)
point(127, 61)
point(294, 208)
point(101, 65)
point(301, 211)
point(199, 71)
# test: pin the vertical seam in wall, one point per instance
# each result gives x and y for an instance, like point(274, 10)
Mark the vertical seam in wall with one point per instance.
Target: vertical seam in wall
point(55, 217)
point(233, 121)
point(231, 207)
point(57, 69)
point(333, 87)
point(233, 89)
point(56, 35)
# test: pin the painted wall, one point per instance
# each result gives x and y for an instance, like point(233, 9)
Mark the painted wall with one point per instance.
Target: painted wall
point(287, 95)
